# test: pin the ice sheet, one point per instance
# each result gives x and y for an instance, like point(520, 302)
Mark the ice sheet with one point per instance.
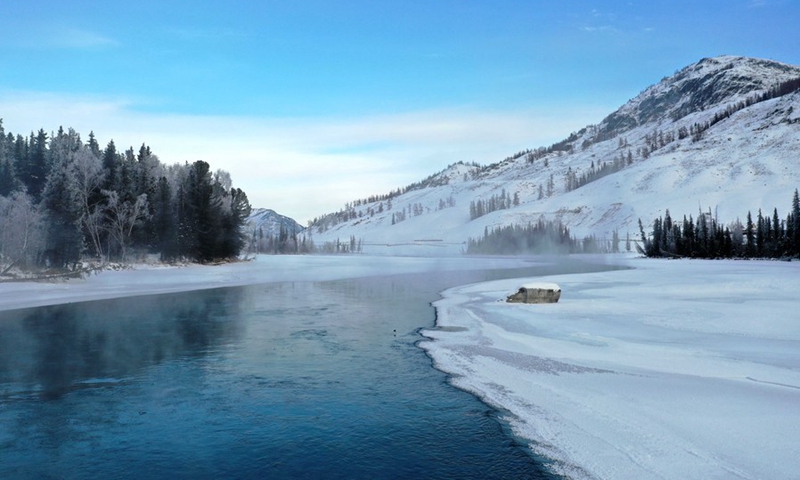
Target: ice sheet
point(676, 369)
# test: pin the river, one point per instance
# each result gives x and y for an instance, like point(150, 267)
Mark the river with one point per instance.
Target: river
point(281, 380)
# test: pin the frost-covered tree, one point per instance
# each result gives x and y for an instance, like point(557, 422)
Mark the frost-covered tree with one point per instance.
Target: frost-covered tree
point(122, 216)
point(22, 228)
point(104, 203)
point(63, 213)
point(88, 176)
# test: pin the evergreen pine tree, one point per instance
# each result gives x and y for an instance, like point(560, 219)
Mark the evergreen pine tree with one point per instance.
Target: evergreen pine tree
point(234, 220)
point(7, 177)
point(795, 215)
point(204, 213)
point(94, 147)
point(164, 221)
point(761, 234)
point(776, 235)
point(750, 237)
point(111, 164)
point(8, 182)
point(35, 169)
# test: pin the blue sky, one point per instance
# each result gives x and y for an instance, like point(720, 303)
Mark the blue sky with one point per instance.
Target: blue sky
point(310, 104)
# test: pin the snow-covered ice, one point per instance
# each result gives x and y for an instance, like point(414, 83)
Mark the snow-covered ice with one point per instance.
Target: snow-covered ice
point(674, 369)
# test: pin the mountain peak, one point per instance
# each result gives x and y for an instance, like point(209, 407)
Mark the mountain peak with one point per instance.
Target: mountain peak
point(709, 83)
point(270, 223)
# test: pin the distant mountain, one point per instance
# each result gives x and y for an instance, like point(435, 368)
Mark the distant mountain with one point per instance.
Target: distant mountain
point(270, 223)
point(722, 134)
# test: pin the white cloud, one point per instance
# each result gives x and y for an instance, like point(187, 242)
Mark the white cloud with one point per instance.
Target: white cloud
point(303, 167)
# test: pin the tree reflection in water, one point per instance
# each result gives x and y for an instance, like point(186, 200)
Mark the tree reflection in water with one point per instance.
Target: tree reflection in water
point(51, 350)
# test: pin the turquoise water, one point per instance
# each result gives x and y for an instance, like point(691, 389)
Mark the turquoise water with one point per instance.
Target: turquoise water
point(287, 380)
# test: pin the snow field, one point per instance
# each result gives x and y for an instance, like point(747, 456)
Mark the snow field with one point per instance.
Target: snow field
point(675, 369)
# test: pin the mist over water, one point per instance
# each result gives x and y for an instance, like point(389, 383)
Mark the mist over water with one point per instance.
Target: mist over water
point(286, 380)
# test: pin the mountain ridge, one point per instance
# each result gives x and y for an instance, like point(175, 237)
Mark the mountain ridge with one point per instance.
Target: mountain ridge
point(720, 133)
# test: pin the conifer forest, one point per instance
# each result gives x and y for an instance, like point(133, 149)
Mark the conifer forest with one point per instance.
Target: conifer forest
point(765, 236)
point(64, 201)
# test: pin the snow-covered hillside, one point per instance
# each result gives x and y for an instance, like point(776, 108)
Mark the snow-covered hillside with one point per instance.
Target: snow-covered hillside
point(708, 137)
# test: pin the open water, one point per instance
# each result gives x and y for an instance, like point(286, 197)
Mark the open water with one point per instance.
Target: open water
point(285, 380)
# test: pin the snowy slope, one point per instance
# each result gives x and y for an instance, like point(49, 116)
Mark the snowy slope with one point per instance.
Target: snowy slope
point(746, 161)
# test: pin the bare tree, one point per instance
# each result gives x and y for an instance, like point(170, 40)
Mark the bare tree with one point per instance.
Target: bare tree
point(122, 217)
point(87, 176)
point(21, 231)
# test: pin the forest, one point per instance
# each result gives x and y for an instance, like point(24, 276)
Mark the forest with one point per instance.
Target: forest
point(64, 201)
point(538, 239)
point(766, 236)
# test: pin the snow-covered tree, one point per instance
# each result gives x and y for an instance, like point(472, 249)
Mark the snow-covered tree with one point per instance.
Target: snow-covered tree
point(61, 205)
point(87, 177)
point(122, 217)
point(22, 228)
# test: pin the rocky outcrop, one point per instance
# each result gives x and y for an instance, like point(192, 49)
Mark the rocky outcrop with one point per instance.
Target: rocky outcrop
point(536, 293)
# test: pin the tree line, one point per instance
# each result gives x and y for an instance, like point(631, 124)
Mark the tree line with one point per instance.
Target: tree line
point(63, 200)
point(768, 236)
point(479, 207)
point(285, 242)
point(542, 237)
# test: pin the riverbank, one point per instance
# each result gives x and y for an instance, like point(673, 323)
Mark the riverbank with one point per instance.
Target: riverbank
point(674, 369)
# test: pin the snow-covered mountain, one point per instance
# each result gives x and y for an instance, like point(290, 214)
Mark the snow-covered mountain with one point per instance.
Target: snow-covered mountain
point(269, 222)
point(722, 134)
